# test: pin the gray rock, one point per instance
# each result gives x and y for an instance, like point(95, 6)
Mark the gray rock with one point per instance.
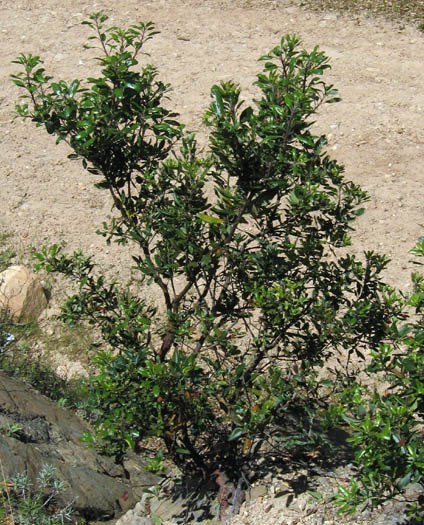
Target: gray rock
point(49, 434)
point(413, 491)
point(174, 505)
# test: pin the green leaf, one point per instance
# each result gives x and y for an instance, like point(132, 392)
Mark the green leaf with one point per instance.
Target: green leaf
point(129, 440)
point(73, 88)
point(359, 212)
point(246, 115)
point(350, 420)
point(317, 495)
point(236, 433)
point(405, 480)
point(209, 219)
point(216, 94)
point(18, 82)
point(288, 100)
point(293, 198)
point(156, 390)
point(156, 519)
point(307, 140)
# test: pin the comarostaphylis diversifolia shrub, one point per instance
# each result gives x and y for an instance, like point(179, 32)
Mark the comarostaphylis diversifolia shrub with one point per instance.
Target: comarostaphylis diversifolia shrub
point(263, 315)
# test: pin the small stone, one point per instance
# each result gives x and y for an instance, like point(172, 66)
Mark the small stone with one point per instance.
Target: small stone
point(21, 293)
point(257, 492)
point(413, 490)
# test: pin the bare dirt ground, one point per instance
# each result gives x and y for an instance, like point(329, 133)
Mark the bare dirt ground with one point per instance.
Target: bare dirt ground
point(376, 131)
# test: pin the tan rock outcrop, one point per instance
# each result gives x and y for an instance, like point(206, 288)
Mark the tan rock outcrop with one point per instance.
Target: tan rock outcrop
point(21, 293)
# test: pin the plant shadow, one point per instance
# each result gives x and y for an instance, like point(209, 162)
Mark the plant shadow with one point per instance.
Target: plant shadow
point(218, 497)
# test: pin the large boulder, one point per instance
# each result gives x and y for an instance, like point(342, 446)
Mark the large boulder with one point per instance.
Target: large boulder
point(51, 435)
point(21, 293)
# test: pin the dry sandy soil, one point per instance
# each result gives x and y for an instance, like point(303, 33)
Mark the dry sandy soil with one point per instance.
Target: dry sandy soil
point(376, 131)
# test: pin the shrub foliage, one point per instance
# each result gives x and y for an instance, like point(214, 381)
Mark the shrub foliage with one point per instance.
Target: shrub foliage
point(386, 419)
point(262, 317)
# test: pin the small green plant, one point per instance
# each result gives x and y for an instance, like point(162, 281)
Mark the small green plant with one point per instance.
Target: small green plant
point(12, 429)
point(23, 503)
point(156, 464)
point(421, 26)
point(244, 246)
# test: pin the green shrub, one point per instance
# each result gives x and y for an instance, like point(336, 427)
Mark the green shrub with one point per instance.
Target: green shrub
point(387, 423)
point(256, 290)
